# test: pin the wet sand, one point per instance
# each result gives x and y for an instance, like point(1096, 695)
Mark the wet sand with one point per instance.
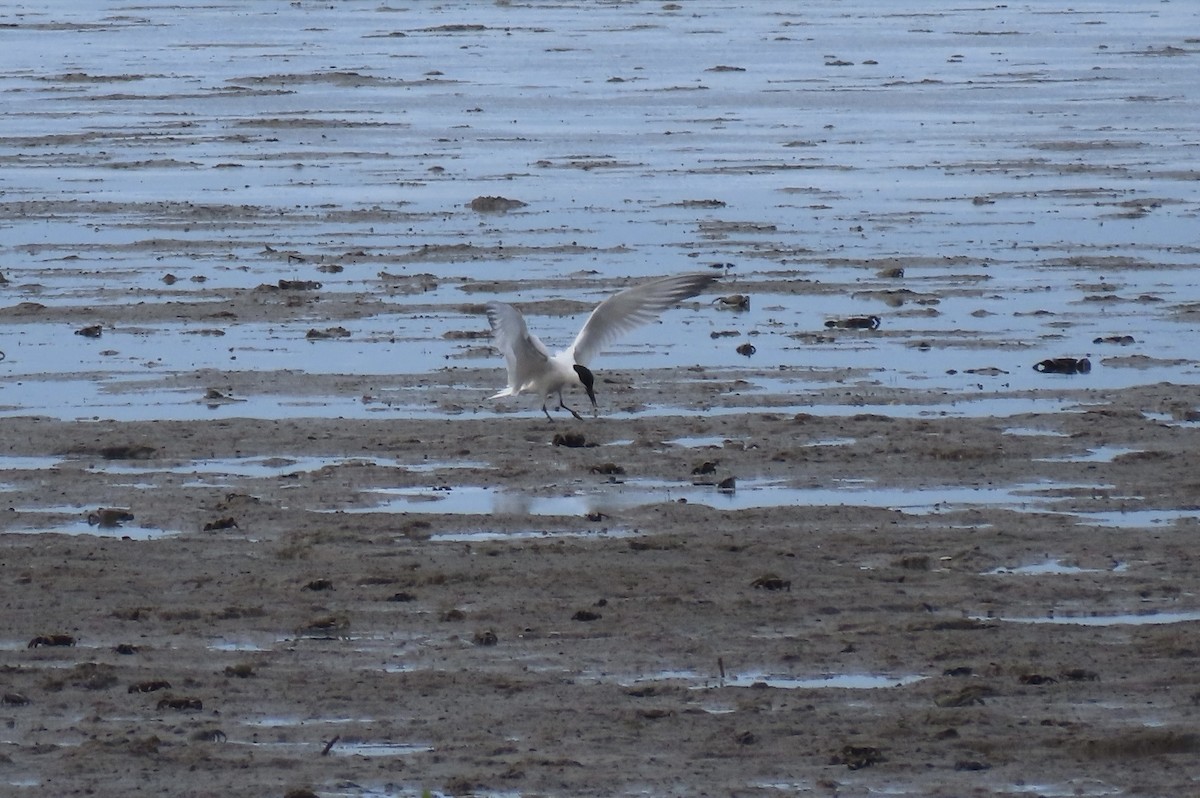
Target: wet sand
point(667, 646)
point(242, 304)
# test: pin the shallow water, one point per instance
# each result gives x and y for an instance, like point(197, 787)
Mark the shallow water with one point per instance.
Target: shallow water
point(1052, 567)
point(1121, 619)
point(599, 501)
point(844, 681)
point(1030, 169)
point(755, 679)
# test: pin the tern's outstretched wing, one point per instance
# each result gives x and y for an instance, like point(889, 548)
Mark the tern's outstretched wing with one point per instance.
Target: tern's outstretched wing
point(630, 308)
point(523, 353)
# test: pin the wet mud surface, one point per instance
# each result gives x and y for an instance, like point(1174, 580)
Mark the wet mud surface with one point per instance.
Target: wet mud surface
point(858, 520)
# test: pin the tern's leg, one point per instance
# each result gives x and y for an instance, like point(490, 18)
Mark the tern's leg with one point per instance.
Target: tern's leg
point(562, 405)
point(547, 412)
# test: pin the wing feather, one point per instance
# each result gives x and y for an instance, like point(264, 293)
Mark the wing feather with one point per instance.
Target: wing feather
point(634, 306)
point(524, 354)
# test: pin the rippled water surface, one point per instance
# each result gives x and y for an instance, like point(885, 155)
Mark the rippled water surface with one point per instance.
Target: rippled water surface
point(1030, 169)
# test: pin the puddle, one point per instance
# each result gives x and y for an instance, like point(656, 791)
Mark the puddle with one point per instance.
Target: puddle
point(342, 748)
point(18, 463)
point(1168, 420)
point(965, 407)
point(1083, 788)
point(480, 537)
point(378, 749)
point(22, 645)
point(244, 644)
point(1126, 619)
point(1098, 454)
point(1032, 432)
point(1132, 519)
point(273, 467)
point(471, 500)
point(115, 399)
point(1056, 568)
point(702, 442)
point(84, 528)
point(843, 681)
point(275, 722)
point(833, 442)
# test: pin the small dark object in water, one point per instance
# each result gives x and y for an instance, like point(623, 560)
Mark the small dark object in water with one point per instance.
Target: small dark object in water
point(125, 649)
point(109, 517)
point(495, 204)
point(1064, 365)
point(727, 485)
point(328, 334)
point(746, 349)
point(573, 440)
point(51, 640)
point(319, 584)
point(732, 302)
point(209, 736)
point(93, 331)
point(214, 397)
point(607, 468)
point(15, 700)
point(486, 638)
point(855, 323)
point(299, 285)
point(219, 524)
point(586, 615)
point(1123, 340)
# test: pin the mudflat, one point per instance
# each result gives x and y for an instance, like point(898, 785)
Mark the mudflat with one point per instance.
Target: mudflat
point(904, 504)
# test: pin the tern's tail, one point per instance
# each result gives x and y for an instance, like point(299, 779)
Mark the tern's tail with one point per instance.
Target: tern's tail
point(506, 392)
